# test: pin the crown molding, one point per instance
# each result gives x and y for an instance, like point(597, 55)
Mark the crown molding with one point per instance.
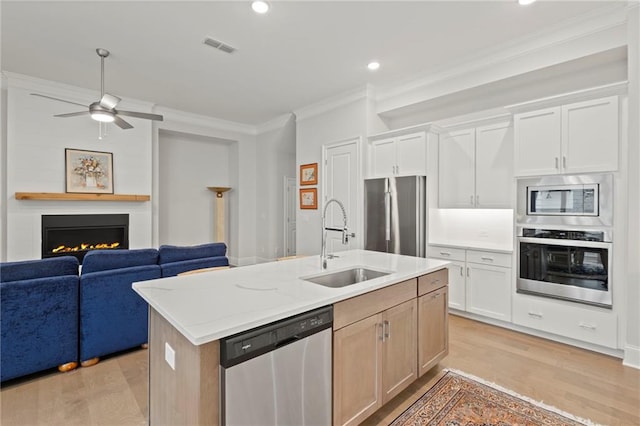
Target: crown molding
point(274, 124)
point(191, 119)
point(334, 102)
point(599, 20)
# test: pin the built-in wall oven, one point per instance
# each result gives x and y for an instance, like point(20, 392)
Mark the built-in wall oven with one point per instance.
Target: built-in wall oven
point(564, 229)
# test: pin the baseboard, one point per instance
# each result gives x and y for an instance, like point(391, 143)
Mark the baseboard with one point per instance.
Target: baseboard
point(631, 356)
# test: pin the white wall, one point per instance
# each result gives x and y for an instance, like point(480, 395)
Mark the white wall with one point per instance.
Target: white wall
point(188, 164)
point(35, 162)
point(276, 154)
point(315, 128)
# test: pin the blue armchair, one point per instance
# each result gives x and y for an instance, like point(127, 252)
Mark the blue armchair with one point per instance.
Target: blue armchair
point(112, 316)
point(39, 316)
point(176, 259)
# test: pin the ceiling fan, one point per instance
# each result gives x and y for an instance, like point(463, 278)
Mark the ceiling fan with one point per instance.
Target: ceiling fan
point(105, 110)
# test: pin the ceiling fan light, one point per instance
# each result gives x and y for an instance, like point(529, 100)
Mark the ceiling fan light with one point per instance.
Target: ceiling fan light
point(103, 116)
point(260, 7)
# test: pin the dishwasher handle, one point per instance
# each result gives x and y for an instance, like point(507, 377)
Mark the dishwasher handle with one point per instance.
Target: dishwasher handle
point(285, 342)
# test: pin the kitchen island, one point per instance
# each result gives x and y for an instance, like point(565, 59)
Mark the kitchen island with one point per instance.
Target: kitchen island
point(189, 314)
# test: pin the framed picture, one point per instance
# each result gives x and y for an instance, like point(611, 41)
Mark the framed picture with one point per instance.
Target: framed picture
point(308, 198)
point(89, 171)
point(309, 174)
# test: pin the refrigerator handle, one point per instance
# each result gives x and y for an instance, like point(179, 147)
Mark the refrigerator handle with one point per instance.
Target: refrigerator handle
point(387, 215)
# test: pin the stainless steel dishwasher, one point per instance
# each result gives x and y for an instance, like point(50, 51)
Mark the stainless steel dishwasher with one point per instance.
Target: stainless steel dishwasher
point(279, 374)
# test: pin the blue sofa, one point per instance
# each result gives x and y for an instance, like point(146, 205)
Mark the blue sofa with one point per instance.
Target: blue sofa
point(176, 259)
point(39, 316)
point(112, 316)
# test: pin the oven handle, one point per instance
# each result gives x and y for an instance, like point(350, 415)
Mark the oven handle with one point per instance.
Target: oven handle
point(562, 242)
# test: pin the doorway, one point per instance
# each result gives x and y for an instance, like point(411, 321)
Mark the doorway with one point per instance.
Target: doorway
point(290, 216)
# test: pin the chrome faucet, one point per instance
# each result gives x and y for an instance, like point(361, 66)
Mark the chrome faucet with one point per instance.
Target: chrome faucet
point(345, 231)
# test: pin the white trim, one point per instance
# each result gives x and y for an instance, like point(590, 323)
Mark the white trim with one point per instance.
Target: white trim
point(498, 118)
point(618, 88)
point(333, 102)
point(274, 124)
point(184, 117)
point(425, 127)
point(530, 400)
point(631, 357)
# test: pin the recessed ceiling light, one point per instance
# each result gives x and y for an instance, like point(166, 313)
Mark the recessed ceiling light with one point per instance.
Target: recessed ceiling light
point(260, 6)
point(525, 2)
point(373, 65)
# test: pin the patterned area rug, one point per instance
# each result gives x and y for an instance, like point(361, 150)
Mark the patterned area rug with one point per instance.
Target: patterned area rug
point(460, 399)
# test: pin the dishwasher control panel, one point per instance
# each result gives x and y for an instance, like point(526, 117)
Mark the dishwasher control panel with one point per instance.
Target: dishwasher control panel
point(249, 344)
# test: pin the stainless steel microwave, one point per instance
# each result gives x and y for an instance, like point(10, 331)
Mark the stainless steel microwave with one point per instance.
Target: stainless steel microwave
point(576, 200)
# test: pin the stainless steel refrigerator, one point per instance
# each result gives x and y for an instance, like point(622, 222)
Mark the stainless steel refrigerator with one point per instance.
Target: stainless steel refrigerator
point(395, 215)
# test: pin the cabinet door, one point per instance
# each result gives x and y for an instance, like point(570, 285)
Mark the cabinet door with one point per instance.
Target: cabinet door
point(537, 142)
point(494, 166)
point(411, 155)
point(457, 286)
point(433, 335)
point(590, 136)
point(489, 291)
point(399, 348)
point(383, 157)
point(456, 170)
point(357, 375)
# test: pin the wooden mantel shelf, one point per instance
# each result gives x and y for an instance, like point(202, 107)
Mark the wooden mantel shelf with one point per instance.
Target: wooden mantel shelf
point(53, 196)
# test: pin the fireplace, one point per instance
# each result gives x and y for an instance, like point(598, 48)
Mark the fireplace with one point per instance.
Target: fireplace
point(77, 234)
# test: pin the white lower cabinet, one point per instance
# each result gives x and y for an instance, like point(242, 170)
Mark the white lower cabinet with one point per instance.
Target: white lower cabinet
point(581, 322)
point(479, 281)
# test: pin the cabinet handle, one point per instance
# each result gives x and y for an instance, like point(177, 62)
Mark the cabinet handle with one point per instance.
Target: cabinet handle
point(436, 295)
point(461, 274)
point(489, 259)
point(535, 315)
point(445, 253)
point(381, 331)
point(564, 162)
point(435, 281)
point(587, 326)
point(477, 200)
point(397, 170)
point(387, 327)
point(556, 162)
point(471, 200)
point(468, 272)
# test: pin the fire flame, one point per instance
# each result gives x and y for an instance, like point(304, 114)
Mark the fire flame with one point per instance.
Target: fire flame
point(83, 246)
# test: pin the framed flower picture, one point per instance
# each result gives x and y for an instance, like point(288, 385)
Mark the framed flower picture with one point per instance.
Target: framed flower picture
point(88, 171)
point(309, 174)
point(308, 198)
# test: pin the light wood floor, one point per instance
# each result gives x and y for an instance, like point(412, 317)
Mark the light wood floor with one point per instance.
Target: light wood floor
point(587, 384)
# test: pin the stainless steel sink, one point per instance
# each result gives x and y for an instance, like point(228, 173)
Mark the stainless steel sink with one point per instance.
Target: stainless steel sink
point(345, 278)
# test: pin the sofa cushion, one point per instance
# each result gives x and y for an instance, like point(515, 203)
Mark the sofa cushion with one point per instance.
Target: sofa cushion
point(168, 253)
point(174, 268)
point(103, 260)
point(41, 268)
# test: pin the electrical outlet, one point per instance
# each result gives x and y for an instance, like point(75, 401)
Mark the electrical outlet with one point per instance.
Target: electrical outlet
point(170, 355)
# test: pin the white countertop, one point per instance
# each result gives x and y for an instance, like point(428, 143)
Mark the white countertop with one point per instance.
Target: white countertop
point(211, 305)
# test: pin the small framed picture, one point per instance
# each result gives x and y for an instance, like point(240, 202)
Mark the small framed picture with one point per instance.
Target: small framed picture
point(308, 198)
point(309, 174)
point(88, 171)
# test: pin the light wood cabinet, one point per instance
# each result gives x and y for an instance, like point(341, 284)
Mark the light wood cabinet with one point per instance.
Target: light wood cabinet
point(475, 167)
point(377, 351)
point(403, 155)
point(433, 326)
point(579, 137)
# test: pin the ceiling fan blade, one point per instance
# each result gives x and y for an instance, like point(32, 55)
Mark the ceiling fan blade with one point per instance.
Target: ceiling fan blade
point(109, 101)
point(121, 123)
point(57, 99)
point(144, 115)
point(72, 114)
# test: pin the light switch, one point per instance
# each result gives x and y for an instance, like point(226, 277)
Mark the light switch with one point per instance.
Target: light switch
point(170, 355)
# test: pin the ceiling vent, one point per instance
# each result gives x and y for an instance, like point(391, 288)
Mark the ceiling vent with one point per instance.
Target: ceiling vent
point(219, 45)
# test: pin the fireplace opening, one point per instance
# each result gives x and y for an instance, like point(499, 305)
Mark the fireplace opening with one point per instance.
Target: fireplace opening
point(76, 235)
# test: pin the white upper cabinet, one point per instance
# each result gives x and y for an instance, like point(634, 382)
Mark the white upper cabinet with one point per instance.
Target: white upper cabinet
point(573, 138)
point(475, 167)
point(401, 155)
